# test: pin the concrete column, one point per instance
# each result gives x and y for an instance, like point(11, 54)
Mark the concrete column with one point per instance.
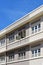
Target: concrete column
point(27, 53)
point(16, 56)
point(29, 28)
point(30, 51)
point(41, 23)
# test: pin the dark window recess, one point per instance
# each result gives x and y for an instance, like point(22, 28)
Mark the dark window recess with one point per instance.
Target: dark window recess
point(21, 34)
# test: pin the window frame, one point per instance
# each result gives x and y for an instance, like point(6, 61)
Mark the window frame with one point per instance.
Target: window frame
point(11, 56)
point(11, 37)
point(22, 53)
point(36, 28)
point(20, 33)
point(36, 50)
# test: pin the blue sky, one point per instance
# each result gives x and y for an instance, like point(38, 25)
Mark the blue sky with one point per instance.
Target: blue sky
point(11, 10)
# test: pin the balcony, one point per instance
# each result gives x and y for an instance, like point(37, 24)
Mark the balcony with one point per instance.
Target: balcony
point(3, 48)
point(2, 44)
point(2, 61)
point(25, 41)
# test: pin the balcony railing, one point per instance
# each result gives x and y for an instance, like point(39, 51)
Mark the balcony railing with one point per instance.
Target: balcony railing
point(3, 48)
point(25, 41)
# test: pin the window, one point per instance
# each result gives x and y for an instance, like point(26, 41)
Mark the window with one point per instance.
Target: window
point(2, 41)
point(36, 28)
point(11, 56)
point(21, 34)
point(38, 52)
point(21, 54)
point(35, 52)
point(11, 37)
point(32, 29)
point(32, 53)
point(2, 58)
point(39, 27)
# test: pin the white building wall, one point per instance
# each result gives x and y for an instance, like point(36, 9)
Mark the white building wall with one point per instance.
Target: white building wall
point(38, 61)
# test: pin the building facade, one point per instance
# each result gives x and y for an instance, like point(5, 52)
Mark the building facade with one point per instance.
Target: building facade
point(21, 43)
